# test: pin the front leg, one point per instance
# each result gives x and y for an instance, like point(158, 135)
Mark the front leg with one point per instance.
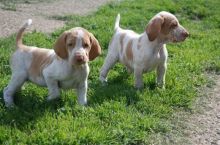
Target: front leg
point(161, 68)
point(54, 91)
point(161, 72)
point(82, 92)
point(138, 72)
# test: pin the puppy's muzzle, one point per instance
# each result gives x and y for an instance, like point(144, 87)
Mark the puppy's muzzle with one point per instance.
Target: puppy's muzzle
point(80, 58)
point(185, 34)
point(181, 37)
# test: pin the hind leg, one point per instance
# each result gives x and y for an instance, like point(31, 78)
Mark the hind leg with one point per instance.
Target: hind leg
point(138, 75)
point(110, 61)
point(17, 80)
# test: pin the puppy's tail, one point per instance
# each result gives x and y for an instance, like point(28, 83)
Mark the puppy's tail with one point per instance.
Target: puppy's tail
point(117, 22)
point(19, 42)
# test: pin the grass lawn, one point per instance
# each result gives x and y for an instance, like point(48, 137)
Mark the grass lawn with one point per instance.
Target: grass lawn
point(117, 113)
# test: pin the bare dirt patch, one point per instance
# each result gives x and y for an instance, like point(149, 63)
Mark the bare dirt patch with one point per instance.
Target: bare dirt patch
point(42, 14)
point(201, 126)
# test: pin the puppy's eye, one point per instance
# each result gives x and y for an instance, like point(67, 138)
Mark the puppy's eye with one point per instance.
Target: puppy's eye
point(173, 25)
point(86, 45)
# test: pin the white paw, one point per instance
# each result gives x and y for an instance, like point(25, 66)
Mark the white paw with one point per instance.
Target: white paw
point(82, 102)
point(9, 101)
point(139, 86)
point(103, 80)
point(161, 86)
point(50, 98)
point(9, 104)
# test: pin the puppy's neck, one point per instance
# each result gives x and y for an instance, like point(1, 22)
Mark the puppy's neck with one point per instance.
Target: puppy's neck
point(155, 44)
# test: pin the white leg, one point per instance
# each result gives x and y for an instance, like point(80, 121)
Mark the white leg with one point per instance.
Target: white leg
point(17, 80)
point(82, 93)
point(110, 61)
point(138, 72)
point(161, 68)
point(53, 88)
point(161, 72)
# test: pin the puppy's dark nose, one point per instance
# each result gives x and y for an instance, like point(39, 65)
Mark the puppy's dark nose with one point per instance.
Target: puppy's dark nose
point(79, 58)
point(185, 33)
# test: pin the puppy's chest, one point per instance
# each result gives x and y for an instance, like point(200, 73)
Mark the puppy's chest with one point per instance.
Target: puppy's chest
point(149, 61)
point(73, 79)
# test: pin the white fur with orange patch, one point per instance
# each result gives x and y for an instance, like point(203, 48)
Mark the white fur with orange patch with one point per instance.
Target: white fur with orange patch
point(64, 67)
point(144, 52)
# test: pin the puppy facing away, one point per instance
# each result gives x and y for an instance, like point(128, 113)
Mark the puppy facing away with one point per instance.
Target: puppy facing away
point(64, 67)
point(142, 53)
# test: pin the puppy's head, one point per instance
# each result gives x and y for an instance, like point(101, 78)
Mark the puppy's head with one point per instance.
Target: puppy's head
point(166, 27)
point(78, 46)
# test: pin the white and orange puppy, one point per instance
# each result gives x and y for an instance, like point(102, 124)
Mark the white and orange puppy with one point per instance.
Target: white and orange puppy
point(144, 52)
point(64, 67)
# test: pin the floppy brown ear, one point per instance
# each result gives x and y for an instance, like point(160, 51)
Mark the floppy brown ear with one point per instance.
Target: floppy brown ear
point(60, 46)
point(154, 27)
point(95, 48)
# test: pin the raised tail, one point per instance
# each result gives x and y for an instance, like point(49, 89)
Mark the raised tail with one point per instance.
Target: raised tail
point(117, 22)
point(20, 33)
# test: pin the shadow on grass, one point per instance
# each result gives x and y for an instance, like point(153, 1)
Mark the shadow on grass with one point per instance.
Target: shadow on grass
point(26, 110)
point(30, 107)
point(118, 89)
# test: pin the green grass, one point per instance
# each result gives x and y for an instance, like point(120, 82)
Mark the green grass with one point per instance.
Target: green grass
point(117, 113)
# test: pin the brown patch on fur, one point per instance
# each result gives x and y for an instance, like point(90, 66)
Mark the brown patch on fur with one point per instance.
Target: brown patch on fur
point(91, 44)
point(125, 62)
point(19, 42)
point(168, 24)
point(86, 42)
point(71, 40)
point(41, 58)
point(154, 27)
point(95, 48)
point(60, 46)
point(121, 41)
point(67, 40)
point(129, 52)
